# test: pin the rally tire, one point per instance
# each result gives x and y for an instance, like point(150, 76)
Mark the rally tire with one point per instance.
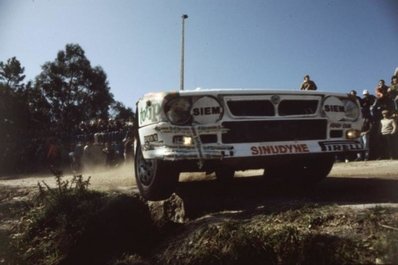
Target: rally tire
point(156, 179)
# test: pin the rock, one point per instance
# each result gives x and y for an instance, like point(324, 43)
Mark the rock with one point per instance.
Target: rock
point(166, 211)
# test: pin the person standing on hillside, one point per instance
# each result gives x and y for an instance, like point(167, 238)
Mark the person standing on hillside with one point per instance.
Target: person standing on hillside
point(308, 84)
point(365, 137)
point(367, 102)
point(353, 95)
point(388, 128)
point(383, 101)
point(393, 91)
point(381, 89)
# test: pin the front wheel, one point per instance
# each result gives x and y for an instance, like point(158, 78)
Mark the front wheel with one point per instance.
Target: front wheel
point(156, 179)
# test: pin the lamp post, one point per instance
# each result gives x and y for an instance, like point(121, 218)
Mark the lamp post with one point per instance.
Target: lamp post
point(182, 51)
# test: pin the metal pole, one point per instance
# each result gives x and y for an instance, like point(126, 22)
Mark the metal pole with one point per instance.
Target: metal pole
point(182, 51)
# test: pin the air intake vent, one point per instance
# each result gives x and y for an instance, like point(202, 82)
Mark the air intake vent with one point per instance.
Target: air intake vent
point(297, 107)
point(251, 108)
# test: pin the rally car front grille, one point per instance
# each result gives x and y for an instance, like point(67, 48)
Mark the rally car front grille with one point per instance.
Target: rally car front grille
point(267, 131)
point(264, 107)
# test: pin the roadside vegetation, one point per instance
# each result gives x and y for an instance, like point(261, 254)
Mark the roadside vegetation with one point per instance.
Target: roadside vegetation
point(311, 235)
point(72, 224)
point(48, 109)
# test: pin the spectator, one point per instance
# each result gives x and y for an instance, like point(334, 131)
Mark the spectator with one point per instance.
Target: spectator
point(53, 155)
point(381, 89)
point(367, 102)
point(128, 143)
point(388, 127)
point(365, 137)
point(383, 102)
point(393, 91)
point(353, 94)
point(308, 84)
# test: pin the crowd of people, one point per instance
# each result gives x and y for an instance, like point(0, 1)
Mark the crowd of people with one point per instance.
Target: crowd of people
point(102, 142)
point(380, 114)
point(97, 142)
point(380, 117)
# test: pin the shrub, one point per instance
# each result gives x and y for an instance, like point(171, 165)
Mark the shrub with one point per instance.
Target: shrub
point(70, 224)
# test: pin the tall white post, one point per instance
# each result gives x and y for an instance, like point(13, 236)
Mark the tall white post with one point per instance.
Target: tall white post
point(182, 51)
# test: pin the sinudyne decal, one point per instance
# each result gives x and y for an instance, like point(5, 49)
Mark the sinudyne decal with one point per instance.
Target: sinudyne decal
point(279, 149)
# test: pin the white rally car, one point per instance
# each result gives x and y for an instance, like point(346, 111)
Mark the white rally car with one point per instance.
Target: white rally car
point(293, 134)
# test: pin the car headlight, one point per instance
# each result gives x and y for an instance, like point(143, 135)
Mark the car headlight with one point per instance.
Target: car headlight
point(178, 110)
point(351, 109)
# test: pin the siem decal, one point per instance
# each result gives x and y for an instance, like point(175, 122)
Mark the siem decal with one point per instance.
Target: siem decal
point(279, 149)
point(339, 146)
point(206, 110)
point(334, 108)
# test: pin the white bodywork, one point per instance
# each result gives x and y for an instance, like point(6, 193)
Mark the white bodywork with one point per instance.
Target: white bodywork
point(218, 117)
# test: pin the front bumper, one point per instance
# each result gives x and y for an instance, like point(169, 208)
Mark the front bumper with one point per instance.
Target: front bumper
point(250, 150)
point(158, 142)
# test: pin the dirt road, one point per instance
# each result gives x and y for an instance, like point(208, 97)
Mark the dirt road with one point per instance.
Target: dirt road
point(353, 183)
point(123, 177)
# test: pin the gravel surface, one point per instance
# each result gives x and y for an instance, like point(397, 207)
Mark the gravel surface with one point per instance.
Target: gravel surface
point(122, 177)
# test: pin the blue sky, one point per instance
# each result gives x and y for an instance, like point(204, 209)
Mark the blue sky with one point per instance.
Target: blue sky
point(342, 44)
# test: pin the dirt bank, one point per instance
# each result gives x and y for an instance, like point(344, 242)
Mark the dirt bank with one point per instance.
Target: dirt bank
point(354, 185)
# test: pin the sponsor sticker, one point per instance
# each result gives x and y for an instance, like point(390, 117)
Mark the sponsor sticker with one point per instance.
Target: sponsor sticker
point(340, 146)
point(340, 125)
point(206, 110)
point(150, 112)
point(151, 138)
point(279, 149)
point(334, 108)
